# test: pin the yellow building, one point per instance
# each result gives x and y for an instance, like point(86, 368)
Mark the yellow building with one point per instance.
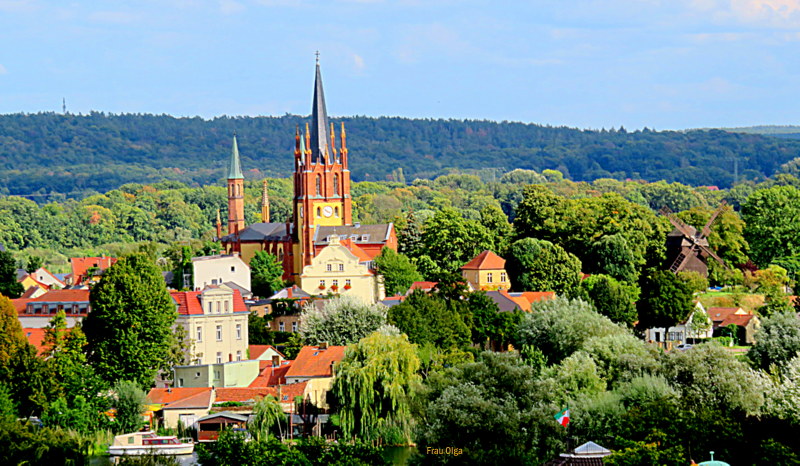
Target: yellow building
point(487, 272)
point(342, 268)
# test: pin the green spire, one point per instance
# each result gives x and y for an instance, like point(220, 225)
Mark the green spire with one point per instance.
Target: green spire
point(235, 170)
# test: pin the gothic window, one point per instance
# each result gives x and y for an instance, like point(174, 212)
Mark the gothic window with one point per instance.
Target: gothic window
point(319, 185)
point(336, 184)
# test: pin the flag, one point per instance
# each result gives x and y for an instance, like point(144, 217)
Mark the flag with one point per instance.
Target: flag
point(563, 417)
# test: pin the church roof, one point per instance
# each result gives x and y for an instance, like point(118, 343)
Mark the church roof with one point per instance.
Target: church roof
point(260, 232)
point(358, 234)
point(235, 169)
point(320, 139)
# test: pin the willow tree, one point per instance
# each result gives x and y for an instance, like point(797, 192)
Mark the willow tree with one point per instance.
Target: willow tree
point(266, 413)
point(373, 387)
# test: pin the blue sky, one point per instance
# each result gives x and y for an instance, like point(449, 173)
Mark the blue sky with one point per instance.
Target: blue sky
point(668, 64)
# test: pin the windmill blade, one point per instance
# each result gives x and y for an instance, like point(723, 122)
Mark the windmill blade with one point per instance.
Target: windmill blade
point(707, 229)
point(713, 254)
point(680, 262)
point(677, 223)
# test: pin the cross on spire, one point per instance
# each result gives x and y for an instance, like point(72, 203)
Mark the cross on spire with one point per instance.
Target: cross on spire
point(317, 55)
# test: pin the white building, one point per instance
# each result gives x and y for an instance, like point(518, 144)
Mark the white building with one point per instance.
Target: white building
point(683, 331)
point(222, 269)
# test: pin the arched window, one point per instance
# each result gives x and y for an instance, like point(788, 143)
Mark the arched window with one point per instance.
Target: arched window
point(336, 211)
point(336, 184)
point(319, 212)
point(319, 185)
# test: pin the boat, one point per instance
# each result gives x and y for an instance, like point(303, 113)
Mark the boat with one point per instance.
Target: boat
point(148, 443)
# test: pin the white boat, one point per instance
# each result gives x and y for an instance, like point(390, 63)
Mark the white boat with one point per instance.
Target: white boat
point(148, 443)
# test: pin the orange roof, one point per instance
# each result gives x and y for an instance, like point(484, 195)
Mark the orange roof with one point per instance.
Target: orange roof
point(243, 394)
point(64, 296)
point(257, 350)
point(36, 338)
point(20, 304)
point(81, 264)
point(189, 302)
point(737, 319)
point(487, 260)
point(313, 361)
point(270, 376)
point(720, 314)
point(181, 397)
point(424, 286)
point(356, 250)
point(536, 296)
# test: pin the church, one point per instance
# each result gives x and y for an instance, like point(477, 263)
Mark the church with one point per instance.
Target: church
point(322, 205)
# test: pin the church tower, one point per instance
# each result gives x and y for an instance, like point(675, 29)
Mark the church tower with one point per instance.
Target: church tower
point(235, 192)
point(321, 178)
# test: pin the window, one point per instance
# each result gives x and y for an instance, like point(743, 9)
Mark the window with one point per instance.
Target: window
point(341, 267)
point(503, 277)
point(219, 332)
point(210, 309)
point(329, 267)
point(197, 375)
point(233, 268)
point(489, 277)
point(336, 184)
point(199, 333)
point(282, 327)
point(336, 211)
point(335, 283)
point(238, 331)
point(238, 355)
point(322, 283)
point(319, 185)
point(217, 373)
point(219, 361)
point(319, 212)
point(213, 281)
point(227, 306)
point(294, 326)
point(301, 211)
point(180, 384)
point(347, 282)
point(218, 307)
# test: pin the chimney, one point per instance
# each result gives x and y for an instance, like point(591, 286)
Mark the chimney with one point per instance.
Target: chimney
point(323, 345)
point(276, 360)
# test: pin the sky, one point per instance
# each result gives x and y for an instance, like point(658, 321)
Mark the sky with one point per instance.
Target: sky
point(661, 64)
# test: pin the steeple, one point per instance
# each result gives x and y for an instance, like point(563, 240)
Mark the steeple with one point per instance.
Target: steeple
point(320, 150)
point(235, 169)
point(265, 204)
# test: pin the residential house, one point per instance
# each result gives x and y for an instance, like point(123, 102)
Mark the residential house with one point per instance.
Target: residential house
point(265, 353)
point(38, 312)
point(184, 405)
point(746, 321)
point(209, 427)
point(315, 365)
point(222, 269)
point(518, 301)
point(87, 270)
point(486, 272)
point(228, 374)
point(683, 332)
point(284, 307)
point(215, 320)
point(44, 276)
point(342, 267)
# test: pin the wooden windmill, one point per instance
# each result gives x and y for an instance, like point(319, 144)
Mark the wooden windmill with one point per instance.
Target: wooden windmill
point(687, 249)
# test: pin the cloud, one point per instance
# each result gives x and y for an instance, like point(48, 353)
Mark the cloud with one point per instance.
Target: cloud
point(229, 7)
point(3, 69)
point(16, 6)
point(769, 13)
point(358, 61)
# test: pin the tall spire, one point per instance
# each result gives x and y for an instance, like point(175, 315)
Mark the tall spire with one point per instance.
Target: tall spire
point(235, 169)
point(265, 203)
point(319, 122)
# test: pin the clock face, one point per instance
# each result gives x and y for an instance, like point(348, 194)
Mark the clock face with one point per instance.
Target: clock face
point(327, 211)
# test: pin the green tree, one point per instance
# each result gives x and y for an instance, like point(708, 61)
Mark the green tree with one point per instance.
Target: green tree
point(130, 402)
point(34, 263)
point(451, 240)
point(665, 300)
point(129, 330)
point(772, 217)
point(539, 265)
point(397, 270)
point(266, 274)
point(343, 320)
point(11, 337)
point(611, 255)
point(427, 318)
point(9, 286)
point(374, 386)
point(613, 299)
point(777, 341)
point(267, 412)
point(496, 223)
point(694, 280)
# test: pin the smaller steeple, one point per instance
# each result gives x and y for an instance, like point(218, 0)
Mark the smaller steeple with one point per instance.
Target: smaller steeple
point(235, 169)
point(265, 203)
point(219, 225)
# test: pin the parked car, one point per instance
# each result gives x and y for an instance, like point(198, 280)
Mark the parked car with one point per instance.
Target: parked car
point(683, 347)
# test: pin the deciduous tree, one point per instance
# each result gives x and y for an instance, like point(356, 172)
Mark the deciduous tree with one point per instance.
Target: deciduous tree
point(266, 273)
point(397, 270)
point(539, 265)
point(343, 320)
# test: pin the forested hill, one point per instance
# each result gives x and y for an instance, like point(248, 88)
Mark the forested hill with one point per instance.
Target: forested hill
point(47, 152)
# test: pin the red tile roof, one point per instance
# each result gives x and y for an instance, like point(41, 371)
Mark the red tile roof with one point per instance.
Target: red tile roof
point(181, 397)
point(312, 361)
point(243, 394)
point(189, 302)
point(64, 296)
point(362, 255)
point(487, 260)
point(81, 264)
point(270, 376)
point(36, 338)
point(740, 320)
point(20, 304)
point(424, 286)
point(719, 314)
point(536, 296)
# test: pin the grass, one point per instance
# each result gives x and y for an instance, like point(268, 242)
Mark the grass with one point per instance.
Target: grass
point(747, 301)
